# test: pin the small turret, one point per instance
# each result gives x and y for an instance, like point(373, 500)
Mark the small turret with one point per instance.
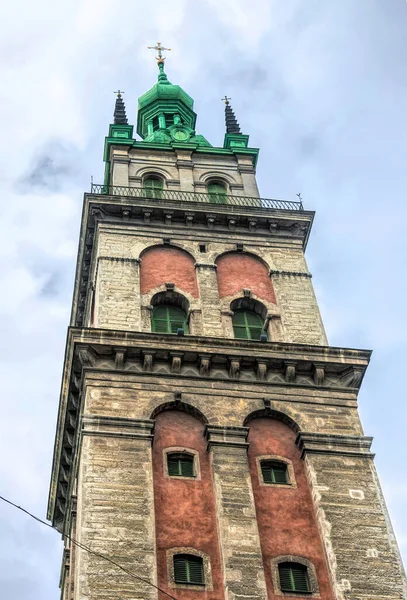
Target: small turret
point(234, 138)
point(119, 115)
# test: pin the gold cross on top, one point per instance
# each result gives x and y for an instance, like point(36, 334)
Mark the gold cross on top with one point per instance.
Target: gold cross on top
point(226, 99)
point(160, 58)
point(119, 93)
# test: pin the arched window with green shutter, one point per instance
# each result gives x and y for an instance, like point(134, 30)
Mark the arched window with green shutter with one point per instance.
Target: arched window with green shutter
point(217, 192)
point(294, 578)
point(247, 325)
point(153, 187)
point(168, 319)
point(188, 569)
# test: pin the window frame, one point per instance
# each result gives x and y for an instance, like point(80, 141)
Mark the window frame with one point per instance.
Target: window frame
point(290, 485)
point(182, 450)
point(247, 326)
point(217, 197)
point(153, 192)
point(311, 572)
point(188, 458)
point(167, 320)
point(189, 558)
point(208, 583)
point(291, 567)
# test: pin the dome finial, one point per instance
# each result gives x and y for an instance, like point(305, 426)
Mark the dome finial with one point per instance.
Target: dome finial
point(160, 58)
point(232, 126)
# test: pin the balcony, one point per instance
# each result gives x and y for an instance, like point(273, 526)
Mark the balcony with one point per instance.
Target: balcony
point(197, 197)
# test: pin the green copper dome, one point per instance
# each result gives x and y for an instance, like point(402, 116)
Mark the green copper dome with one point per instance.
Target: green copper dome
point(162, 106)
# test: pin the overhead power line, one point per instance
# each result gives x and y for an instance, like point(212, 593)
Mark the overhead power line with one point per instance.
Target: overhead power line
point(87, 549)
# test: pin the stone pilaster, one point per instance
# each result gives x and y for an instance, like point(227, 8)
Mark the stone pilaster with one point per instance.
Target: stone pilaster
point(208, 289)
point(362, 554)
point(238, 532)
point(118, 285)
point(116, 508)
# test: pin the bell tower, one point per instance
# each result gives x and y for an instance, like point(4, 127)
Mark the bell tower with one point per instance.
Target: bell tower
point(208, 437)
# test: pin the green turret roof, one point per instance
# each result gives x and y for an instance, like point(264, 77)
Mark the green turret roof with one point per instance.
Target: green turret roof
point(165, 90)
point(162, 105)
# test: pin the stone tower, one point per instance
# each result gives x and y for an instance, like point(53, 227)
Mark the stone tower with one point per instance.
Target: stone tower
point(208, 437)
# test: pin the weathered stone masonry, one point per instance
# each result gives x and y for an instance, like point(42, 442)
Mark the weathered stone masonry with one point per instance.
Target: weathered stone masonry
point(130, 396)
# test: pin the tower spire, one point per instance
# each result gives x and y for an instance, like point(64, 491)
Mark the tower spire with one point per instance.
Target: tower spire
point(232, 126)
point(119, 114)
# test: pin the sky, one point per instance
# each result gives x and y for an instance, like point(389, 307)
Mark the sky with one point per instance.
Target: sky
point(321, 88)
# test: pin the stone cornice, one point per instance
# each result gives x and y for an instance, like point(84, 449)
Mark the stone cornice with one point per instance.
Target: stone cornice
point(278, 224)
point(343, 445)
point(214, 359)
point(290, 274)
point(232, 437)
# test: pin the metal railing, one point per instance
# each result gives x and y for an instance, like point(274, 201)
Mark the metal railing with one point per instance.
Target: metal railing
point(179, 196)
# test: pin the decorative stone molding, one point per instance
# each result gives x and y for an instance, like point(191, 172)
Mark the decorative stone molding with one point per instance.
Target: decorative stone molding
point(290, 370)
point(342, 445)
point(117, 427)
point(230, 361)
point(226, 436)
point(234, 368)
point(202, 265)
point(120, 357)
point(176, 361)
point(122, 259)
point(312, 576)
point(204, 365)
point(262, 369)
point(148, 359)
point(208, 585)
point(319, 373)
point(273, 273)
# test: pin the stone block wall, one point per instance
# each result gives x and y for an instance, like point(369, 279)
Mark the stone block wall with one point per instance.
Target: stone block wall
point(116, 506)
point(119, 299)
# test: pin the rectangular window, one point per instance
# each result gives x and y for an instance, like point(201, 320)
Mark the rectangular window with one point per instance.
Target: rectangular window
point(180, 465)
point(274, 472)
point(188, 569)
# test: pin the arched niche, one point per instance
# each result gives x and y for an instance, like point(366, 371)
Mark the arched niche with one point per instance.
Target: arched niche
point(168, 264)
point(239, 270)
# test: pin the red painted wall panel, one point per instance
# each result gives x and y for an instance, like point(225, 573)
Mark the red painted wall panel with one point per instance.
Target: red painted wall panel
point(237, 271)
point(286, 517)
point(163, 264)
point(185, 513)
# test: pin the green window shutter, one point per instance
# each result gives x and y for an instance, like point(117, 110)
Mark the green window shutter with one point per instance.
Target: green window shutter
point(217, 193)
point(196, 573)
point(247, 325)
point(168, 319)
point(294, 578)
point(187, 466)
point(173, 465)
point(153, 187)
point(180, 465)
point(274, 472)
point(188, 569)
point(180, 570)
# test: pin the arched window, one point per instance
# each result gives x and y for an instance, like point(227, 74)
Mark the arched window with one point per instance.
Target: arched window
point(180, 464)
point(274, 471)
point(153, 187)
point(247, 325)
point(217, 192)
point(294, 578)
point(188, 569)
point(168, 319)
